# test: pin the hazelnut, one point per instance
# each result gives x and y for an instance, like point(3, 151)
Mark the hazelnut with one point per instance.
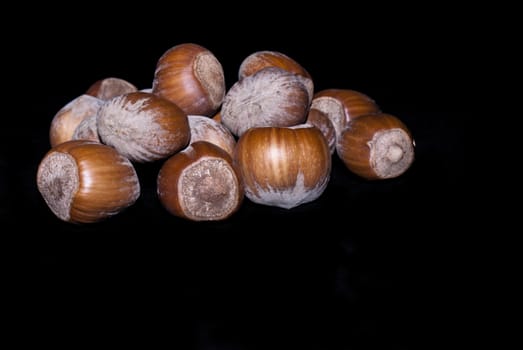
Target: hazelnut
point(192, 77)
point(342, 105)
point(262, 59)
point(270, 97)
point(200, 183)
point(66, 120)
point(87, 129)
point(207, 129)
point(143, 127)
point(377, 146)
point(283, 166)
point(110, 87)
point(323, 123)
point(84, 181)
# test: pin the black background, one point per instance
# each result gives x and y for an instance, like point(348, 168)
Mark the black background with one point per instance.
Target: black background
point(368, 264)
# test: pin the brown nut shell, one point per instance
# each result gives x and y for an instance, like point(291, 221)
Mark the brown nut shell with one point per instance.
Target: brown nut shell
point(342, 105)
point(200, 183)
point(85, 181)
point(378, 146)
point(207, 129)
point(270, 97)
point(283, 166)
point(67, 119)
point(191, 76)
point(87, 129)
point(323, 123)
point(217, 116)
point(143, 127)
point(110, 87)
point(263, 59)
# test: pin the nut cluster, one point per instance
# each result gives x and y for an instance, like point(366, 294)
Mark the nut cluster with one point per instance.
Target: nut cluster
point(269, 138)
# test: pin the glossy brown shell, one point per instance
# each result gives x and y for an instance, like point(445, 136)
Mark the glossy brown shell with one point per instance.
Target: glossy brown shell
point(354, 146)
point(282, 166)
point(106, 182)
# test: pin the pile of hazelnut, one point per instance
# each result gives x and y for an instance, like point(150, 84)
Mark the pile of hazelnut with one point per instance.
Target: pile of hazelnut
point(269, 138)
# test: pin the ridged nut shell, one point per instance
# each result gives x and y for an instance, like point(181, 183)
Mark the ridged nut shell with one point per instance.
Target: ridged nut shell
point(283, 167)
point(342, 105)
point(378, 146)
point(191, 76)
point(85, 182)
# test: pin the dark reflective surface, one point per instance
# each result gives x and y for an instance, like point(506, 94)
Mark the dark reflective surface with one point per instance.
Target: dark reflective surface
point(367, 264)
